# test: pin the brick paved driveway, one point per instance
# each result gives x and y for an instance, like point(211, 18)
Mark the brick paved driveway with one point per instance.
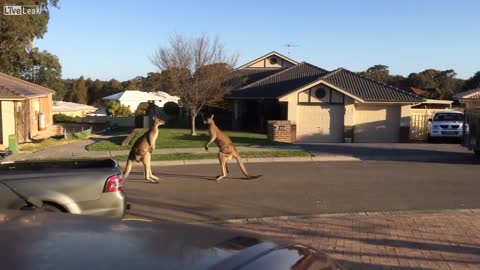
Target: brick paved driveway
point(399, 241)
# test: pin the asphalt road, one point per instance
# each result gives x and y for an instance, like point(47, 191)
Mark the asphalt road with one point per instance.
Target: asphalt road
point(187, 193)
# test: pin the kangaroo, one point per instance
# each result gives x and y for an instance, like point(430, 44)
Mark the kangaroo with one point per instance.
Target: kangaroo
point(226, 147)
point(141, 151)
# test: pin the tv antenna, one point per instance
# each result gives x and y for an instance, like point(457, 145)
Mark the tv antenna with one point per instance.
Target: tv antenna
point(289, 45)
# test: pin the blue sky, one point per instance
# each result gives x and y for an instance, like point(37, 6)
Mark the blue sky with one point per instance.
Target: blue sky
point(114, 39)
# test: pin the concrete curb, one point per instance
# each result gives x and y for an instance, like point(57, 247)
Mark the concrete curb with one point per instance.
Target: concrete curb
point(252, 160)
point(360, 214)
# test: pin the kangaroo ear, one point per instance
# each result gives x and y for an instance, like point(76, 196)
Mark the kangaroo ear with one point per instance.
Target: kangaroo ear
point(154, 118)
point(212, 116)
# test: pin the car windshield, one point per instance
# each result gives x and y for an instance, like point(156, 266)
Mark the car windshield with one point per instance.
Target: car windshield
point(448, 117)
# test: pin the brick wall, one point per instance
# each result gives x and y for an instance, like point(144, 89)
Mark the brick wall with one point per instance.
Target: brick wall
point(281, 131)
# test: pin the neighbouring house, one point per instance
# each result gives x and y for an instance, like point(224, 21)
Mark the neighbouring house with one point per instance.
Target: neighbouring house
point(325, 106)
point(132, 98)
point(21, 103)
point(470, 98)
point(72, 109)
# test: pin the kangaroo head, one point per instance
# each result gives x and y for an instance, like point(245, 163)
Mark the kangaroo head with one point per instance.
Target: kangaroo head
point(209, 120)
point(158, 122)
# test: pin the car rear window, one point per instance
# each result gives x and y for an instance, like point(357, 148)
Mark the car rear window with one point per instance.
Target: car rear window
point(448, 117)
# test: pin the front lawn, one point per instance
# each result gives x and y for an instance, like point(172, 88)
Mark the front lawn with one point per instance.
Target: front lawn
point(45, 144)
point(180, 138)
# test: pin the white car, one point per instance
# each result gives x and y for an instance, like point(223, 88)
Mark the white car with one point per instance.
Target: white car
point(446, 124)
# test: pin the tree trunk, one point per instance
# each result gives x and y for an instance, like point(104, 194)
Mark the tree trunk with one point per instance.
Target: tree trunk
point(193, 131)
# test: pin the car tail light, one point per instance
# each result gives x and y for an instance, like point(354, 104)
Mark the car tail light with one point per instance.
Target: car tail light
point(114, 183)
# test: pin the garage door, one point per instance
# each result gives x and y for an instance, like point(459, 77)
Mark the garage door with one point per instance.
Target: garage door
point(8, 121)
point(320, 123)
point(377, 123)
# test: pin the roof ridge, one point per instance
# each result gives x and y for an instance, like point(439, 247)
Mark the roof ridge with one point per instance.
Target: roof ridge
point(273, 75)
point(268, 54)
point(25, 82)
point(335, 71)
point(381, 83)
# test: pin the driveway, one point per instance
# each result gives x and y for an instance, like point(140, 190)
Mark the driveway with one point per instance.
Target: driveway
point(187, 193)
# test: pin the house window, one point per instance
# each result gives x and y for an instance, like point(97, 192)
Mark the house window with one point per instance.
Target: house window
point(273, 61)
point(320, 93)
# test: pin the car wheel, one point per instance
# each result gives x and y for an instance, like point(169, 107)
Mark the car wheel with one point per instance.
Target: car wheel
point(49, 207)
point(430, 139)
point(477, 152)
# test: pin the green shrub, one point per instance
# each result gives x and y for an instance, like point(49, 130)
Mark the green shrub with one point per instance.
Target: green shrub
point(62, 118)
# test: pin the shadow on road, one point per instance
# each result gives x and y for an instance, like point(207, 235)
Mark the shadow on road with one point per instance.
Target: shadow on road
point(435, 153)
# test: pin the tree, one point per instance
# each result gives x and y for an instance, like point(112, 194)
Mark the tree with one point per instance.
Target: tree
point(378, 73)
point(17, 34)
point(134, 84)
point(441, 84)
point(198, 69)
point(112, 87)
point(142, 109)
point(43, 68)
point(95, 92)
point(124, 111)
point(115, 109)
point(79, 91)
point(473, 82)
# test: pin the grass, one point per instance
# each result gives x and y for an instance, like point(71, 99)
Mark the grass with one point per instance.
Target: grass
point(181, 138)
point(45, 144)
point(191, 156)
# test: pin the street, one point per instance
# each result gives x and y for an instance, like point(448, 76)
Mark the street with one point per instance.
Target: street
point(189, 194)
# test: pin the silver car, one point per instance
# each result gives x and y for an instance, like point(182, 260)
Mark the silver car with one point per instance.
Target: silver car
point(93, 187)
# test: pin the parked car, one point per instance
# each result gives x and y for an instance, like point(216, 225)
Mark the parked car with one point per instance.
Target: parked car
point(446, 124)
point(93, 187)
point(39, 240)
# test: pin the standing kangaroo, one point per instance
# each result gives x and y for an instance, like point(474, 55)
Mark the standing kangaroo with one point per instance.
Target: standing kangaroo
point(141, 151)
point(226, 147)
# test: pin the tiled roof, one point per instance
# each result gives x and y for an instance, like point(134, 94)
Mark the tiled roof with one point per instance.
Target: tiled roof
point(250, 75)
point(470, 94)
point(280, 83)
point(367, 89)
point(416, 91)
point(293, 78)
point(476, 96)
point(14, 87)
point(7, 93)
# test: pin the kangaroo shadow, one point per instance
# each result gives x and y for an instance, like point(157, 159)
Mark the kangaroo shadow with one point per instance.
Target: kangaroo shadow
point(188, 176)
